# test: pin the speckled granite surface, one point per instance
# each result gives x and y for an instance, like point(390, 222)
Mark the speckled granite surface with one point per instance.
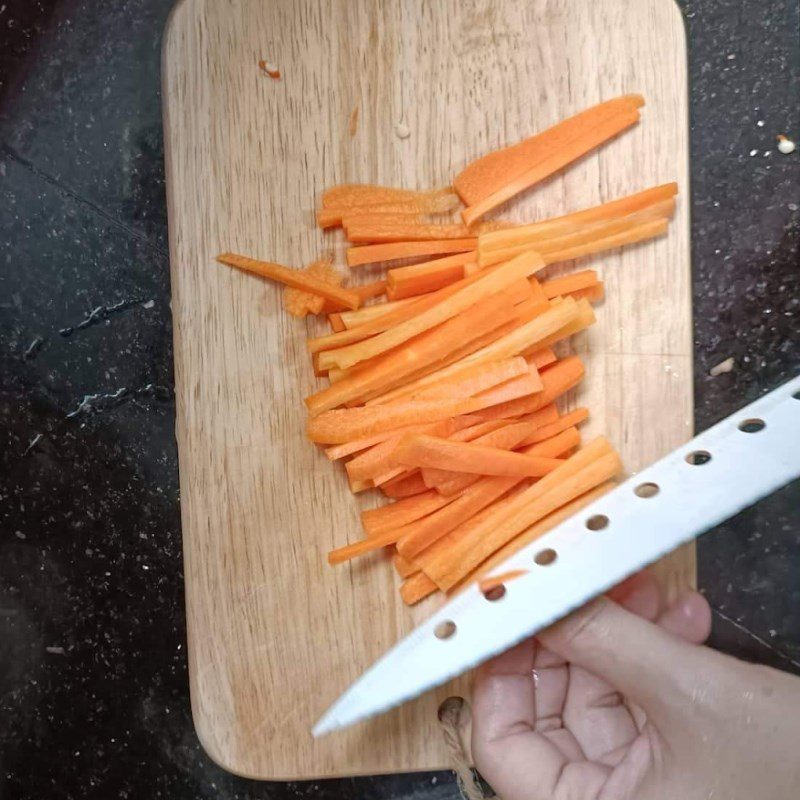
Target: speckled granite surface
point(93, 686)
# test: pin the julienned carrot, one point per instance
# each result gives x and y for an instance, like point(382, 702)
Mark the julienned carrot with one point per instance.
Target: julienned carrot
point(593, 294)
point(405, 486)
point(536, 531)
point(542, 358)
point(419, 535)
point(403, 566)
point(588, 139)
point(569, 223)
point(492, 282)
point(334, 217)
point(373, 229)
point(344, 425)
point(291, 277)
point(582, 472)
point(428, 276)
point(424, 204)
point(584, 319)
point(486, 585)
point(367, 291)
point(347, 195)
point(556, 380)
point(408, 509)
point(556, 447)
point(565, 284)
point(319, 373)
point(393, 251)
point(427, 348)
point(523, 386)
point(337, 324)
point(362, 547)
point(475, 430)
point(416, 587)
point(352, 319)
point(474, 379)
point(569, 420)
point(423, 450)
point(300, 303)
point(488, 174)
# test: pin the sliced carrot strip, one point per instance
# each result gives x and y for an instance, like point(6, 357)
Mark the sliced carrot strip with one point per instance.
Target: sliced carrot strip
point(416, 587)
point(583, 320)
point(594, 294)
point(320, 373)
point(579, 474)
point(542, 358)
point(427, 348)
point(393, 251)
point(403, 566)
point(407, 485)
point(586, 140)
point(408, 509)
point(299, 303)
point(425, 204)
point(566, 284)
point(346, 424)
point(422, 450)
point(366, 292)
point(352, 319)
point(373, 229)
point(337, 324)
point(334, 217)
point(428, 276)
point(486, 585)
point(569, 420)
point(487, 175)
point(570, 223)
point(291, 277)
point(525, 385)
point(348, 195)
point(362, 547)
point(475, 378)
point(495, 281)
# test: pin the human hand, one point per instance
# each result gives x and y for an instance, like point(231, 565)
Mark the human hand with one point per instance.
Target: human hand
point(618, 702)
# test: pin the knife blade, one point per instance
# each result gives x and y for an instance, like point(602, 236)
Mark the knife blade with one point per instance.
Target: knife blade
point(700, 484)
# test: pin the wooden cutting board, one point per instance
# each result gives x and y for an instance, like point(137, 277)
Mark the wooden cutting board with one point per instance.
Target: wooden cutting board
point(401, 92)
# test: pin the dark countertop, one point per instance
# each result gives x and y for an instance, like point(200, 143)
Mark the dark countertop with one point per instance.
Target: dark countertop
point(93, 684)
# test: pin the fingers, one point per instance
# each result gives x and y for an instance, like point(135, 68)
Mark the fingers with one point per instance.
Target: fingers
point(689, 618)
point(640, 594)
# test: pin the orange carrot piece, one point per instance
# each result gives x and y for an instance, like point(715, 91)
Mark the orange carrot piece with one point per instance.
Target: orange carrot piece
point(591, 137)
point(393, 251)
point(542, 358)
point(475, 430)
point(556, 380)
point(569, 283)
point(570, 223)
point(401, 512)
point(352, 319)
point(594, 294)
point(424, 204)
point(582, 472)
point(492, 282)
point(427, 276)
point(320, 373)
point(427, 348)
point(416, 587)
point(474, 379)
point(404, 486)
point(345, 424)
point(300, 303)
point(585, 317)
point(486, 585)
point(404, 567)
point(569, 420)
point(366, 291)
point(373, 229)
point(487, 175)
point(291, 277)
point(421, 450)
point(524, 386)
point(348, 195)
point(342, 554)
point(333, 217)
point(336, 324)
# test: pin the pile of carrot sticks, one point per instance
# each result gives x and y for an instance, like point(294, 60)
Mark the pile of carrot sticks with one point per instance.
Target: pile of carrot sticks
point(443, 393)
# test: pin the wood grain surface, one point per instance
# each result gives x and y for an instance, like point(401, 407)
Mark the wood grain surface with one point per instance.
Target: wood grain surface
point(275, 634)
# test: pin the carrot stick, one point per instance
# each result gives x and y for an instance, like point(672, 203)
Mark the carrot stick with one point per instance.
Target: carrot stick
point(475, 378)
point(291, 277)
point(366, 292)
point(342, 554)
point(337, 324)
point(407, 485)
point(425, 204)
point(569, 420)
point(427, 348)
point(348, 195)
point(536, 531)
point(346, 424)
point(525, 385)
point(569, 223)
point(542, 358)
point(319, 373)
point(416, 587)
point(590, 138)
point(427, 276)
point(583, 320)
point(363, 230)
point(564, 285)
point(495, 281)
point(393, 251)
point(300, 303)
point(333, 217)
point(579, 474)
point(352, 319)
point(403, 566)
point(405, 510)
point(487, 175)
point(421, 450)
point(593, 293)
point(556, 380)
point(487, 584)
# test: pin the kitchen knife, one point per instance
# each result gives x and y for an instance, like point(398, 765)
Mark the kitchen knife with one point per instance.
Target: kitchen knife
point(715, 475)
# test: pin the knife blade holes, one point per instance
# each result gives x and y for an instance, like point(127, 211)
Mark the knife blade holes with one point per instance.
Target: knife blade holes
point(495, 593)
point(444, 630)
point(597, 522)
point(752, 425)
point(698, 457)
point(647, 490)
point(545, 557)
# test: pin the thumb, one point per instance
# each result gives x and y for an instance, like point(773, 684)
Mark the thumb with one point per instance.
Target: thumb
point(638, 658)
